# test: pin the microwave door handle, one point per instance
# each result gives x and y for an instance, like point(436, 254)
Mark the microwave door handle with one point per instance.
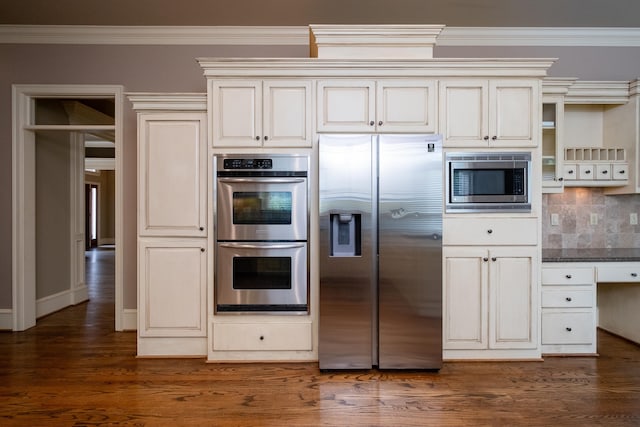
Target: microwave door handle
point(262, 180)
point(267, 246)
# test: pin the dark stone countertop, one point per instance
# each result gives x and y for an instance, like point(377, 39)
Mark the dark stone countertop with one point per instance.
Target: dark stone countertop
point(591, 255)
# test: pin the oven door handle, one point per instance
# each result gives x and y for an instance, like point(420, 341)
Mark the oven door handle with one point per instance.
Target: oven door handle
point(265, 246)
point(263, 180)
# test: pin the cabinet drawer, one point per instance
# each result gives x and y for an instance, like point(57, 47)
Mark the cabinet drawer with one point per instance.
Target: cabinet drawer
point(490, 231)
point(570, 172)
point(568, 328)
point(620, 171)
point(619, 274)
point(262, 336)
point(567, 276)
point(586, 172)
point(561, 298)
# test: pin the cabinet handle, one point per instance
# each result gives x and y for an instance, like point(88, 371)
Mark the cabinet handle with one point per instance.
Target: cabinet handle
point(261, 338)
point(489, 231)
point(266, 138)
point(568, 276)
point(568, 299)
point(494, 258)
point(257, 138)
point(494, 137)
point(568, 329)
point(380, 123)
point(201, 249)
point(622, 171)
point(371, 123)
point(486, 138)
point(485, 259)
point(201, 228)
point(561, 179)
point(634, 274)
point(570, 171)
point(587, 172)
point(605, 172)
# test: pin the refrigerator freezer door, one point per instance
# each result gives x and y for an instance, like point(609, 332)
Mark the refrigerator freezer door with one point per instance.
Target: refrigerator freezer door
point(410, 252)
point(346, 279)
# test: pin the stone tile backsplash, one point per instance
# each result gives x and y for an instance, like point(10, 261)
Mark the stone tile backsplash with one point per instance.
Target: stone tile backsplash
point(574, 208)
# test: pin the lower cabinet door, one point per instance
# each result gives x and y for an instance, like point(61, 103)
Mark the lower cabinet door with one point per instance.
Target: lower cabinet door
point(172, 287)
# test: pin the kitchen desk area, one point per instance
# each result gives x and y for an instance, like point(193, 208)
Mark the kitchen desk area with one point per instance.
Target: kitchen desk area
point(585, 289)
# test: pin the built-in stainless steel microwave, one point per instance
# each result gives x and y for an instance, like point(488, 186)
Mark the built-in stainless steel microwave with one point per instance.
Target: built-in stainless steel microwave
point(488, 182)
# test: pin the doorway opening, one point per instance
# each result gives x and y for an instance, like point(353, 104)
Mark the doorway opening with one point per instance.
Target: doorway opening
point(69, 115)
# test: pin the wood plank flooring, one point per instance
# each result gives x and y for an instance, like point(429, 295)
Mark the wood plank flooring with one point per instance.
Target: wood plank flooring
point(72, 369)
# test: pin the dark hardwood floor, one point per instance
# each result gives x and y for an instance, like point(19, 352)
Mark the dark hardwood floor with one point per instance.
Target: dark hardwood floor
point(72, 369)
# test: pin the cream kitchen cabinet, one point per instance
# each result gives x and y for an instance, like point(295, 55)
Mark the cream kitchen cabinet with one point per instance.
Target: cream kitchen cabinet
point(403, 105)
point(489, 113)
point(261, 113)
point(490, 302)
point(172, 284)
point(490, 287)
point(172, 174)
point(568, 309)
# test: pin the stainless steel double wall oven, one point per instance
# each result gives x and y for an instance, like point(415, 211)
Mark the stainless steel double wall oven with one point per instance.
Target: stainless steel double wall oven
point(261, 237)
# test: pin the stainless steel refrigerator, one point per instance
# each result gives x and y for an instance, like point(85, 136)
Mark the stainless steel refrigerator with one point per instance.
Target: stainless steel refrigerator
point(380, 251)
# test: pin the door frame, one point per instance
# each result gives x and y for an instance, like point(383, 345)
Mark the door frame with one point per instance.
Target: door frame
point(23, 280)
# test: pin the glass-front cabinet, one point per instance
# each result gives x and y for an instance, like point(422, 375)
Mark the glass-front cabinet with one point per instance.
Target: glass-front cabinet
point(553, 91)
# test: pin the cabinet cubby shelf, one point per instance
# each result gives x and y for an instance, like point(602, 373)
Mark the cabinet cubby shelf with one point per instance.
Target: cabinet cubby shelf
point(595, 154)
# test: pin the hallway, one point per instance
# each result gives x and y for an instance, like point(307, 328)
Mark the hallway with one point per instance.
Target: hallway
point(72, 369)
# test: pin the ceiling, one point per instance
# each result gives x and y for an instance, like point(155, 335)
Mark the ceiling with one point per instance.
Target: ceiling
point(459, 13)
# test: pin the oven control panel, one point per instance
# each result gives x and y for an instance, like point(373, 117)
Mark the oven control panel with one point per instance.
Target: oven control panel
point(248, 164)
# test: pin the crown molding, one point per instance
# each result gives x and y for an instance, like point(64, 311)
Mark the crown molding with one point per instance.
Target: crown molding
point(299, 35)
point(160, 101)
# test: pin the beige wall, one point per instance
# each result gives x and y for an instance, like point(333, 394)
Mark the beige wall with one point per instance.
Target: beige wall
point(106, 204)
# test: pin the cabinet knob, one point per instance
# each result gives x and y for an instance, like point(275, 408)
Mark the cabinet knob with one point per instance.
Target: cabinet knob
point(568, 329)
point(486, 138)
point(494, 258)
point(266, 138)
point(485, 259)
point(380, 123)
point(568, 299)
point(605, 172)
point(561, 179)
point(489, 231)
point(494, 137)
point(568, 276)
point(201, 249)
point(621, 171)
point(634, 274)
point(587, 172)
point(201, 228)
point(261, 337)
point(257, 138)
point(371, 123)
point(570, 171)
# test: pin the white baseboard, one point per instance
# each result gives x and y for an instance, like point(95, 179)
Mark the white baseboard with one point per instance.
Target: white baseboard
point(129, 319)
point(6, 319)
point(55, 302)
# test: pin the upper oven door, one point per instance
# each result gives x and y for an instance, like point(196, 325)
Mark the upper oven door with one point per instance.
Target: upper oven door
point(261, 208)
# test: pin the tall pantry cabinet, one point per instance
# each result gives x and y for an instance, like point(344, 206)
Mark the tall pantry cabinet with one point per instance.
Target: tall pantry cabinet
point(172, 224)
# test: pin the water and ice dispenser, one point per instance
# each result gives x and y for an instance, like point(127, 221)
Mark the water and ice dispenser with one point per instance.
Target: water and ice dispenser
point(345, 235)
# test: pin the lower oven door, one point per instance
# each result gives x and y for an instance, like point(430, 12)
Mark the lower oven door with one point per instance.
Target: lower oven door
point(261, 277)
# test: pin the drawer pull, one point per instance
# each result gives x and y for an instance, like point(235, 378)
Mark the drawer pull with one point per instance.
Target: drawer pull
point(485, 259)
point(261, 338)
point(489, 231)
point(494, 258)
point(568, 329)
point(587, 172)
point(568, 299)
point(634, 274)
point(568, 276)
point(570, 171)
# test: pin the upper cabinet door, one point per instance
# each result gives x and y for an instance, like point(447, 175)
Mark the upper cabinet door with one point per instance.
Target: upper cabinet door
point(513, 113)
point(489, 113)
point(287, 113)
point(406, 106)
point(346, 106)
point(172, 174)
point(236, 113)
point(464, 113)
